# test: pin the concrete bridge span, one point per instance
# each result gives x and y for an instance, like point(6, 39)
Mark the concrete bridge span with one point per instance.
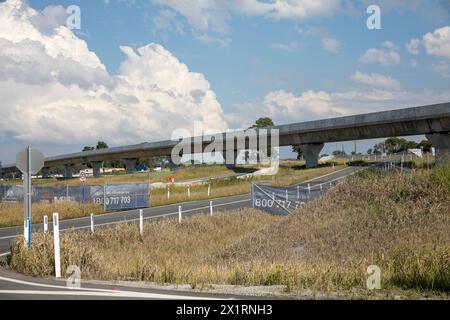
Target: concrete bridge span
point(431, 120)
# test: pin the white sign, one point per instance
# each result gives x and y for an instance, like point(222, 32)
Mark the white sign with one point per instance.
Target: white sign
point(82, 176)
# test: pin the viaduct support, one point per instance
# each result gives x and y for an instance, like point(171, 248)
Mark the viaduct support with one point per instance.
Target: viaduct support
point(311, 153)
point(68, 171)
point(130, 165)
point(45, 172)
point(230, 158)
point(96, 166)
point(172, 165)
point(441, 142)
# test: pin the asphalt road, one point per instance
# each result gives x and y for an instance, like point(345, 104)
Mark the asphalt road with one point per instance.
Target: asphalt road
point(17, 286)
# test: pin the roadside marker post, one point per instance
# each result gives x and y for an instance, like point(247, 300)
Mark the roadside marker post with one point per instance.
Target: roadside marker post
point(141, 222)
point(179, 214)
point(45, 223)
point(287, 196)
point(211, 208)
point(168, 193)
point(189, 192)
point(321, 187)
point(298, 192)
point(309, 188)
point(56, 245)
point(92, 222)
point(25, 232)
point(209, 190)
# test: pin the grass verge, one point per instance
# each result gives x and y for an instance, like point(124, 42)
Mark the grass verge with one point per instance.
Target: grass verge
point(397, 222)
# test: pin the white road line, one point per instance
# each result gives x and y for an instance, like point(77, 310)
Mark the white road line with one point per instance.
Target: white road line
point(112, 293)
point(90, 291)
point(8, 237)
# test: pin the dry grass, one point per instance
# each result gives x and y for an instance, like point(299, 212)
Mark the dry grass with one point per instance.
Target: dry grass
point(11, 214)
point(399, 222)
point(287, 175)
point(183, 173)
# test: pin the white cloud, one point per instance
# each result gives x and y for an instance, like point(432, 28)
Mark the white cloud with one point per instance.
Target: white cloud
point(376, 80)
point(211, 15)
point(205, 38)
point(290, 47)
point(437, 43)
point(287, 107)
point(50, 18)
point(413, 46)
point(55, 90)
point(386, 57)
point(331, 45)
point(443, 68)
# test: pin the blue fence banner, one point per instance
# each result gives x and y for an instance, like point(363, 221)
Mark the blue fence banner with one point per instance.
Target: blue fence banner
point(112, 196)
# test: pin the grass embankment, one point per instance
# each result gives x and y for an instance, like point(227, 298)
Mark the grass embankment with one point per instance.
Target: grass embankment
point(11, 214)
point(397, 222)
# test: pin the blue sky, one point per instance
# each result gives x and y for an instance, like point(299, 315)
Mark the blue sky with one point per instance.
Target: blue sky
point(291, 65)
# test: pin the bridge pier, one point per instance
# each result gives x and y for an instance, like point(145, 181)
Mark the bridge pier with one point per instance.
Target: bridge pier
point(441, 143)
point(172, 164)
point(68, 171)
point(311, 153)
point(230, 158)
point(45, 172)
point(96, 166)
point(130, 165)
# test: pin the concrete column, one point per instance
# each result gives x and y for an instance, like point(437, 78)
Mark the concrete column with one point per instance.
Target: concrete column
point(311, 153)
point(96, 166)
point(247, 156)
point(45, 172)
point(441, 142)
point(231, 159)
point(68, 171)
point(130, 165)
point(172, 165)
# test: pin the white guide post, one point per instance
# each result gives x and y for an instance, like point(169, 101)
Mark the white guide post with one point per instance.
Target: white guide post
point(56, 245)
point(45, 223)
point(141, 222)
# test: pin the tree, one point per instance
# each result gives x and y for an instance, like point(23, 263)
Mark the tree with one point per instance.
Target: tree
point(425, 145)
point(101, 145)
point(88, 148)
point(379, 148)
point(297, 150)
point(370, 151)
point(262, 123)
point(338, 153)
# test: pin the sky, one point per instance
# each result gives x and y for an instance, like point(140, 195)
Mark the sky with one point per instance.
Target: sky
point(138, 70)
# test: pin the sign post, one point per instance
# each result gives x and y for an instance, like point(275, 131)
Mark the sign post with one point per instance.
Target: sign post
point(83, 180)
point(29, 161)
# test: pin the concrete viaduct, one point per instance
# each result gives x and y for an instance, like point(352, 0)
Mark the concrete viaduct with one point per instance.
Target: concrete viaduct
point(432, 120)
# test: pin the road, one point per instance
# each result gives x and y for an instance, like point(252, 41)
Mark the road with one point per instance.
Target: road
point(16, 286)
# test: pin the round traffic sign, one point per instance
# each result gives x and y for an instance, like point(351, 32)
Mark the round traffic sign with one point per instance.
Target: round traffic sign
point(82, 175)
